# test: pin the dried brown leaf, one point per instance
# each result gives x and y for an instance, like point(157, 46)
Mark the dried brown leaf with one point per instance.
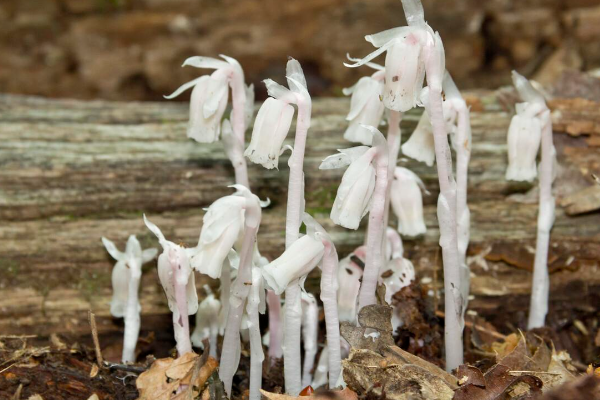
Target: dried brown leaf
point(498, 382)
point(345, 394)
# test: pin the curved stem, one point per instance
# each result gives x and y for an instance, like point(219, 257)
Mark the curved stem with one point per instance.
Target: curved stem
point(181, 323)
point(295, 205)
point(238, 100)
point(541, 280)
point(257, 355)
point(239, 294)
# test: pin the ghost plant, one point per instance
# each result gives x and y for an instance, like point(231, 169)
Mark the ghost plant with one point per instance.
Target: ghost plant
point(177, 279)
point(412, 52)
point(207, 106)
point(357, 195)
point(419, 145)
point(126, 276)
point(458, 117)
point(267, 138)
point(251, 207)
point(531, 125)
point(207, 322)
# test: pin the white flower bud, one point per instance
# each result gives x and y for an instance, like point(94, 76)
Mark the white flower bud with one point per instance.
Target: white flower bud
point(398, 274)
point(524, 138)
point(271, 127)
point(349, 276)
point(297, 261)
point(366, 108)
point(407, 202)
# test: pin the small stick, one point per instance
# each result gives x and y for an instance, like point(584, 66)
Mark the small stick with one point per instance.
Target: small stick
point(125, 367)
point(99, 358)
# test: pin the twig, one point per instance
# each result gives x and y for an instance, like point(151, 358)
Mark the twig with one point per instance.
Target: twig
point(99, 358)
point(124, 367)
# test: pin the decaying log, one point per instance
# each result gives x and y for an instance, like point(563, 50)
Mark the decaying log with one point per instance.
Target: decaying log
point(71, 172)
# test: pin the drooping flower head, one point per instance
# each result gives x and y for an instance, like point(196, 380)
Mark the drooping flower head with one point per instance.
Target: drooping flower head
point(128, 266)
point(223, 225)
point(210, 95)
point(349, 278)
point(355, 192)
point(296, 261)
point(274, 118)
point(409, 49)
point(407, 202)
point(175, 257)
point(366, 108)
point(525, 131)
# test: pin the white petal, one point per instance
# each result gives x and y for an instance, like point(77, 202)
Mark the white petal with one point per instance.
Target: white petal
point(218, 93)
point(235, 64)
point(133, 248)
point(407, 204)
point(365, 90)
point(381, 38)
point(404, 74)
point(154, 229)
point(148, 255)
point(524, 137)
point(294, 72)
point(205, 62)
point(420, 146)
point(120, 289)
point(274, 89)
point(344, 158)
point(371, 56)
point(413, 10)
point(526, 89)
point(297, 261)
point(112, 250)
point(184, 87)
point(375, 66)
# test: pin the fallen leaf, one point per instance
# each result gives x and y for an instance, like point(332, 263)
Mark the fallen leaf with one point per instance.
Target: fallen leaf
point(153, 384)
point(585, 387)
point(345, 394)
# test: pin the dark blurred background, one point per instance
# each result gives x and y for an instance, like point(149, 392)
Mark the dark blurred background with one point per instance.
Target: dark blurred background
point(133, 49)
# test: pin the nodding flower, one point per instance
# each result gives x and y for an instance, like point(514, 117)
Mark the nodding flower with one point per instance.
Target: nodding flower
point(355, 193)
point(223, 226)
point(366, 108)
point(177, 280)
point(524, 138)
point(210, 95)
point(207, 322)
point(407, 202)
point(296, 262)
point(420, 146)
point(349, 278)
point(274, 118)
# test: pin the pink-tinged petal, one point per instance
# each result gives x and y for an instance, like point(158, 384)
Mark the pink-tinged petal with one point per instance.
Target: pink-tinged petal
point(382, 38)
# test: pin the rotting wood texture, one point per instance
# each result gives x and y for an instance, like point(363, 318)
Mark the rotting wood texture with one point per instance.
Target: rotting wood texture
point(72, 171)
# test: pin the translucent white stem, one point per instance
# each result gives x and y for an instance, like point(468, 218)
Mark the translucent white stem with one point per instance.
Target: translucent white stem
point(275, 326)
point(394, 137)
point(329, 286)
point(239, 294)
point(181, 323)
point(463, 155)
point(375, 253)
point(224, 296)
point(238, 100)
point(257, 355)
point(295, 206)
point(448, 231)
point(310, 336)
point(541, 280)
point(132, 321)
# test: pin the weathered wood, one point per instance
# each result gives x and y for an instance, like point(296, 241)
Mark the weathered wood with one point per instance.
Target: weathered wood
point(71, 172)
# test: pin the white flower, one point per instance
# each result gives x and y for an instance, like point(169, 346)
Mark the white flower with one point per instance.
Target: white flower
point(524, 138)
point(223, 225)
point(128, 266)
point(271, 127)
point(175, 257)
point(420, 145)
point(349, 277)
point(366, 108)
point(297, 261)
point(207, 321)
point(275, 116)
point(209, 96)
point(407, 202)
